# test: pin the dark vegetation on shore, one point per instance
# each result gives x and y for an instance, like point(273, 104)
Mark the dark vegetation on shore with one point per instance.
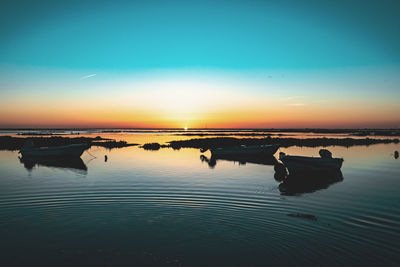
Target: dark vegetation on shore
point(211, 131)
point(223, 134)
point(208, 143)
point(263, 132)
point(40, 134)
point(283, 132)
point(16, 143)
point(153, 146)
point(356, 132)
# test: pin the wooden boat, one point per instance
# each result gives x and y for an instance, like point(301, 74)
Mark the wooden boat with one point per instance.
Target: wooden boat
point(74, 150)
point(311, 165)
point(246, 150)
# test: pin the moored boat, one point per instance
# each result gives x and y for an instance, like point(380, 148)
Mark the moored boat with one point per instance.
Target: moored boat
point(311, 165)
point(246, 150)
point(73, 150)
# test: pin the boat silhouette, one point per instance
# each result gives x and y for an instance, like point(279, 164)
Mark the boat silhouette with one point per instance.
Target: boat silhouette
point(301, 165)
point(71, 150)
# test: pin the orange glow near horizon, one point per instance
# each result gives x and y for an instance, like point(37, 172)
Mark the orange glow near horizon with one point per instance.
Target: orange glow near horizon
point(241, 117)
point(192, 103)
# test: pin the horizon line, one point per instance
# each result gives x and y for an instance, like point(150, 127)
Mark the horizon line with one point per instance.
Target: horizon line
point(189, 129)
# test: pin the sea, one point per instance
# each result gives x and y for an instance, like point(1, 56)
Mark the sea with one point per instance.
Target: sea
point(132, 207)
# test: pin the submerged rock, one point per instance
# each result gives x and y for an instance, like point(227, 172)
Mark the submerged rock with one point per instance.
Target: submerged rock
point(303, 215)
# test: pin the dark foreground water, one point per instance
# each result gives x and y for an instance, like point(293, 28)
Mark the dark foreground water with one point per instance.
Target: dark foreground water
point(169, 208)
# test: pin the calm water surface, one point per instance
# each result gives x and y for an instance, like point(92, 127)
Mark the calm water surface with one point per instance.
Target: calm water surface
point(168, 207)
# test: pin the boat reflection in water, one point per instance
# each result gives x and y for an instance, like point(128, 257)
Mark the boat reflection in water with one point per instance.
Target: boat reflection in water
point(241, 159)
point(74, 163)
point(308, 183)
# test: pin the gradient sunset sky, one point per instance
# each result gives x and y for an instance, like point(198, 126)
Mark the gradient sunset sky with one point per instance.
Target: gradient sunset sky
point(215, 64)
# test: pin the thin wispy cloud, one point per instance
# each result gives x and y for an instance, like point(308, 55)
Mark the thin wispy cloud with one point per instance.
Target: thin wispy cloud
point(296, 104)
point(88, 76)
point(290, 97)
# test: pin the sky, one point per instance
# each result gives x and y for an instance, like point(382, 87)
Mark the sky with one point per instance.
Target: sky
point(200, 64)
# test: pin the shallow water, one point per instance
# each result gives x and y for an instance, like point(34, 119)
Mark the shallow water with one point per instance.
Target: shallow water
point(169, 207)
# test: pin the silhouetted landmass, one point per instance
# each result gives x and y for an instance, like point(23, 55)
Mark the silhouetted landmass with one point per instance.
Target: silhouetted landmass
point(41, 134)
point(112, 144)
point(152, 146)
point(279, 132)
point(16, 143)
point(230, 134)
point(209, 143)
point(212, 131)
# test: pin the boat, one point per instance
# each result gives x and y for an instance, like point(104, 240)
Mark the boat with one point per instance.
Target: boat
point(246, 150)
point(324, 164)
point(73, 150)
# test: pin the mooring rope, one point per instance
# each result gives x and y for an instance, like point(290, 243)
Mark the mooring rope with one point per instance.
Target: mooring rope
point(94, 157)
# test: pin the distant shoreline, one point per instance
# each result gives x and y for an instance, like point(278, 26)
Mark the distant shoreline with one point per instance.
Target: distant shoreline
point(217, 142)
point(220, 142)
point(16, 143)
point(208, 131)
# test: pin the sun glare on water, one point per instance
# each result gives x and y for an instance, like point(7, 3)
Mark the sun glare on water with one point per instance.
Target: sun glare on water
point(185, 128)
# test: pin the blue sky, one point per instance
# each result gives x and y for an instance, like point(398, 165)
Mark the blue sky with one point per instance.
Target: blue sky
point(216, 34)
point(311, 50)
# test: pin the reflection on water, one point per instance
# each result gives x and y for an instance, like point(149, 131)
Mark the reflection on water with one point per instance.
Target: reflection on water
point(297, 184)
point(241, 159)
point(70, 163)
point(166, 207)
